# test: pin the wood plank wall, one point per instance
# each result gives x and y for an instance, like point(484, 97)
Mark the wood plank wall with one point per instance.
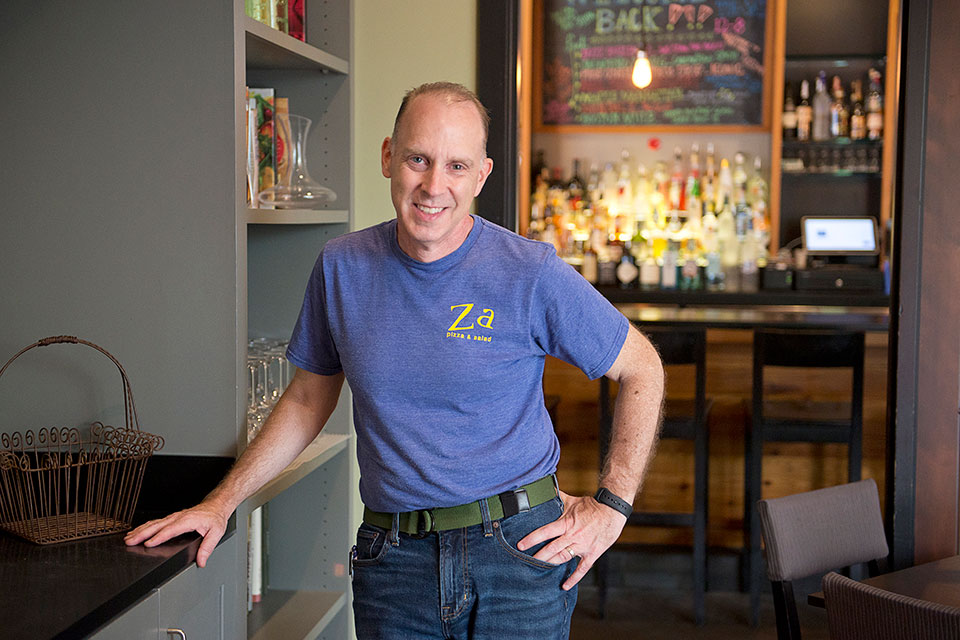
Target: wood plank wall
point(787, 467)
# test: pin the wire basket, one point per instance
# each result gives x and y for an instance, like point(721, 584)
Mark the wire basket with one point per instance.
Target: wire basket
point(58, 484)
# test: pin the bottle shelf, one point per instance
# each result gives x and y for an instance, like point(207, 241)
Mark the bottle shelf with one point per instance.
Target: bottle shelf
point(838, 60)
point(322, 449)
point(789, 143)
point(268, 48)
point(830, 175)
point(298, 615)
point(297, 216)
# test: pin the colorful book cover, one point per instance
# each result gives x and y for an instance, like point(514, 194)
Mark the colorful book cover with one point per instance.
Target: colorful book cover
point(296, 13)
point(282, 108)
point(266, 147)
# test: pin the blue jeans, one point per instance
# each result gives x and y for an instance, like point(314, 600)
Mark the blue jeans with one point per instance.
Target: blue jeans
point(463, 583)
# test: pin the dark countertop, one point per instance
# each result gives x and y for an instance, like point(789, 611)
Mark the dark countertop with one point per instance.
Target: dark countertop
point(764, 297)
point(872, 319)
point(70, 589)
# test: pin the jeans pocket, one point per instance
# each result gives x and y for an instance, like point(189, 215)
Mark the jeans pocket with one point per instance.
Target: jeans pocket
point(371, 546)
point(512, 530)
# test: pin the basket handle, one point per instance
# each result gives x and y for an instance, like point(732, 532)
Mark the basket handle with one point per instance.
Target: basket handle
point(129, 410)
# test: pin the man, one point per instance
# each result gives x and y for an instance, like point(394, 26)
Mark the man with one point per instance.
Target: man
point(440, 320)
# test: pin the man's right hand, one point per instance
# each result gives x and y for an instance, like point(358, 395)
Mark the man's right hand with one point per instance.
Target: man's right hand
point(204, 518)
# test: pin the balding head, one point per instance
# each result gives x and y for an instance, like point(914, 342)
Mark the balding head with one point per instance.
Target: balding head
point(450, 92)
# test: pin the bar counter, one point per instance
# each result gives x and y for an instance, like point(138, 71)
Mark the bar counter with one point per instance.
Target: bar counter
point(70, 589)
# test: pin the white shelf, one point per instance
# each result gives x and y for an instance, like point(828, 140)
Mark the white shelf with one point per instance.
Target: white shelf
point(297, 216)
point(318, 452)
point(268, 48)
point(293, 615)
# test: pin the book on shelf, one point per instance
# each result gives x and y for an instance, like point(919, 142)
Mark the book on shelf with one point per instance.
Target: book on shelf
point(296, 11)
point(263, 102)
point(276, 14)
point(282, 141)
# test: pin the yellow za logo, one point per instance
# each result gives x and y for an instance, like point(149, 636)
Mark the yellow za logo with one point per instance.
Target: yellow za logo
point(484, 320)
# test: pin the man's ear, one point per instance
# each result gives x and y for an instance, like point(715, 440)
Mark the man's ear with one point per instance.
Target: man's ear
point(484, 173)
point(385, 156)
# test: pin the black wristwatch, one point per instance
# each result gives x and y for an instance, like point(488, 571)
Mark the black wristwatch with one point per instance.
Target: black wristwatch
point(603, 496)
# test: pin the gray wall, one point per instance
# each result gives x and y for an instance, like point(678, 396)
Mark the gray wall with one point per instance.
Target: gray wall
point(117, 202)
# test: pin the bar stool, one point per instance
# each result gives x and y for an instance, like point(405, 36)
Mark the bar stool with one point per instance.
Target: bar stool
point(684, 419)
point(773, 421)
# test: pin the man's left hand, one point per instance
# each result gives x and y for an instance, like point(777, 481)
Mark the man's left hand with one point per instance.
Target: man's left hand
point(586, 529)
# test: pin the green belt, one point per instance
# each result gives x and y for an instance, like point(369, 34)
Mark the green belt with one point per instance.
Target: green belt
point(466, 515)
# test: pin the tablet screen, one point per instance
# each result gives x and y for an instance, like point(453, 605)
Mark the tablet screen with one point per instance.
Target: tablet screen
point(839, 236)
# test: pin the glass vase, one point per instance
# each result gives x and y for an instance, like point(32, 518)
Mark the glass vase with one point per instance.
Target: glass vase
point(294, 189)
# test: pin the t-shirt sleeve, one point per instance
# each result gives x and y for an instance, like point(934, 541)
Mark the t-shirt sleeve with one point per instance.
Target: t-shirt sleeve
point(311, 346)
point(570, 319)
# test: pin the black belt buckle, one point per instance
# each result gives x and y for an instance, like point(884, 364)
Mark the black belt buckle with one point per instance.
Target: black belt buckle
point(425, 523)
point(514, 502)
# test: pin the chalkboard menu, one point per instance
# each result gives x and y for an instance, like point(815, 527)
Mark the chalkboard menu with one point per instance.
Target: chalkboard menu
point(707, 58)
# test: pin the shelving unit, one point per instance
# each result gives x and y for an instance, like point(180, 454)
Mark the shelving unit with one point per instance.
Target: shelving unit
point(307, 518)
point(805, 44)
point(297, 216)
point(313, 457)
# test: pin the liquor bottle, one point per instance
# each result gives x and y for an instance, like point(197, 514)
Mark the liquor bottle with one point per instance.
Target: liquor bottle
point(739, 177)
point(724, 189)
point(858, 116)
point(660, 190)
point(708, 184)
point(627, 272)
point(789, 117)
point(625, 187)
point(874, 107)
point(668, 271)
point(575, 187)
point(675, 197)
point(711, 249)
point(804, 113)
point(589, 267)
point(641, 201)
point(728, 247)
point(749, 274)
point(839, 112)
point(757, 190)
point(556, 179)
point(593, 184)
point(691, 189)
point(821, 109)
point(689, 269)
point(649, 270)
point(608, 180)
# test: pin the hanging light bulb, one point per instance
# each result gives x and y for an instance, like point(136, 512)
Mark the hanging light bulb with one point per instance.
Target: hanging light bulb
point(642, 73)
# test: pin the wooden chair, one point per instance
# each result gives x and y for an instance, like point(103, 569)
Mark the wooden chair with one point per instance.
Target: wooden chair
point(684, 419)
point(786, 421)
point(817, 531)
point(858, 611)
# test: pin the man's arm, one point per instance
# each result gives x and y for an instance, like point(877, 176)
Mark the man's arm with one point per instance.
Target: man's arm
point(588, 528)
point(296, 420)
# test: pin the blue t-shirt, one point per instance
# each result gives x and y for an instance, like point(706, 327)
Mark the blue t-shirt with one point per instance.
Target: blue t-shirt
point(445, 359)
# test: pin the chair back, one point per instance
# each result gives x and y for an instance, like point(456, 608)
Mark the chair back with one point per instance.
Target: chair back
point(822, 530)
point(817, 531)
point(683, 346)
point(808, 348)
point(858, 611)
